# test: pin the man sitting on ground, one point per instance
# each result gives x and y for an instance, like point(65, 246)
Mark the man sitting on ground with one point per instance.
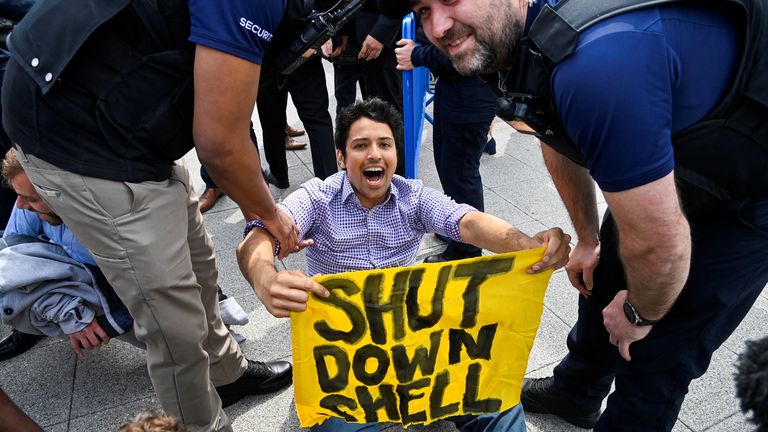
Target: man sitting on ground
point(35, 311)
point(365, 217)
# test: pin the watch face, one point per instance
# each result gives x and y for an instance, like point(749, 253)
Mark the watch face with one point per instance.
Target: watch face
point(634, 317)
point(629, 311)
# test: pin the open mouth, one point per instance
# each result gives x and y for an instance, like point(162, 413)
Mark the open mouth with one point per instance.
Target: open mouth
point(374, 175)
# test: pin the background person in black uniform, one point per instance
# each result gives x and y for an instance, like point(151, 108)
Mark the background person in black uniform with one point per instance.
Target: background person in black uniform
point(464, 107)
point(310, 96)
point(374, 35)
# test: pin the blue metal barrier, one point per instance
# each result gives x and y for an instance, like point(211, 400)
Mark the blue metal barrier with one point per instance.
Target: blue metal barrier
point(415, 83)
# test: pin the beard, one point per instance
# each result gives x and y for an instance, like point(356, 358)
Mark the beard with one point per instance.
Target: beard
point(51, 218)
point(493, 43)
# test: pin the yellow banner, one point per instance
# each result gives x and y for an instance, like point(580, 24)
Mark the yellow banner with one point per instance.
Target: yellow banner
point(416, 344)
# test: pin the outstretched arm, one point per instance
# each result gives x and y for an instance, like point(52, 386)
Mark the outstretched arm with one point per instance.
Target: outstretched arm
point(225, 93)
point(489, 232)
point(280, 292)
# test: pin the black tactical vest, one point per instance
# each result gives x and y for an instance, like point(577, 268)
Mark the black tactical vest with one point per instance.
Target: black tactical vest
point(722, 157)
point(104, 88)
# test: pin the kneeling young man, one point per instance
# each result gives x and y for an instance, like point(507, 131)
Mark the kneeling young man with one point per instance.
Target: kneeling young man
point(365, 217)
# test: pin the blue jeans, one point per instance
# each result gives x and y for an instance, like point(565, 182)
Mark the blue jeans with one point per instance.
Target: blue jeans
point(511, 420)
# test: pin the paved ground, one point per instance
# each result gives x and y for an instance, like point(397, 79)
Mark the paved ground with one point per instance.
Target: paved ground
point(107, 387)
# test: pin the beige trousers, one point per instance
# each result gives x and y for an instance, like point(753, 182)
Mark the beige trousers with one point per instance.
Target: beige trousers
point(148, 239)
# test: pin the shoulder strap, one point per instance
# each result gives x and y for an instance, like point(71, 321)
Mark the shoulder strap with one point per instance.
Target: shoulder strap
point(555, 31)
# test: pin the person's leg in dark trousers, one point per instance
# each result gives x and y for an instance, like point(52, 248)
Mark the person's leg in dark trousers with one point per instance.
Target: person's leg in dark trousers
point(459, 172)
point(345, 79)
point(271, 103)
point(310, 96)
point(729, 269)
point(458, 147)
point(383, 80)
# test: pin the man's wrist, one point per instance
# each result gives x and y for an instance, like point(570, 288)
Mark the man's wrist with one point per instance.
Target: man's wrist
point(634, 317)
point(258, 223)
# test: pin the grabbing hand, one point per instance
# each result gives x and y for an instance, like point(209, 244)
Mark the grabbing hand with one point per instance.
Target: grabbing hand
point(403, 54)
point(558, 247)
point(92, 336)
point(282, 228)
point(371, 49)
point(581, 266)
point(288, 291)
point(621, 332)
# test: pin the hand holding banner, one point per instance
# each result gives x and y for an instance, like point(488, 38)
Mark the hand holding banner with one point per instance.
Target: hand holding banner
point(416, 344)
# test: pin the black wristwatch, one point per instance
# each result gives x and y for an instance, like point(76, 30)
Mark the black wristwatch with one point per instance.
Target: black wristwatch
point(634, 317)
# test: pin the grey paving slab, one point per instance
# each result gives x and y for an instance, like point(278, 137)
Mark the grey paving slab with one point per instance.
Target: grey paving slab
point(40, 382)
point(534, 197)
point(501, 170)
point(736, 422)
point(548, 423)
point(110, 419)
point(523, 148)
point(532, 227)
point(111, 376)
point(712, 398)
point(681, 427)
point(268, 338)
point(60, 427)
point(270, 413)
point(496, 205)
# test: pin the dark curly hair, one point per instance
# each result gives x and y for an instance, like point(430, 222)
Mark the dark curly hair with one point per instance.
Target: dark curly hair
point(752, 382)
point(374, 109)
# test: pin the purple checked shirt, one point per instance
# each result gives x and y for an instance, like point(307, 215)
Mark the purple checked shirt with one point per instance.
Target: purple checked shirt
point(349, 237)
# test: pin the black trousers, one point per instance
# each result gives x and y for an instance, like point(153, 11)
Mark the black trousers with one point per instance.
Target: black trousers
point(378, 78)
point(729, 269)
point(458, 145)
point(310, 95)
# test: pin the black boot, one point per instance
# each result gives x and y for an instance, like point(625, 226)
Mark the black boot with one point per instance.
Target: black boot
point(540, 396)
point(17, 343)
point(259, 378)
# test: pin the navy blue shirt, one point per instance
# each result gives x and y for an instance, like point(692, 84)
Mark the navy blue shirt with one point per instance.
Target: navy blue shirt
point(637, 78)
point(242, 28)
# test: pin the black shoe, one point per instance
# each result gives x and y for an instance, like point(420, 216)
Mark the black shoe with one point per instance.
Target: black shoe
point(269, 178)
point(490, 147)
point(259, 378)
point(448, 255)
point(539, 396)
point(17, 343)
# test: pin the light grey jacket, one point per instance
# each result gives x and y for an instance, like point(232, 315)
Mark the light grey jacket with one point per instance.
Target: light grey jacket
point(44, 291)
